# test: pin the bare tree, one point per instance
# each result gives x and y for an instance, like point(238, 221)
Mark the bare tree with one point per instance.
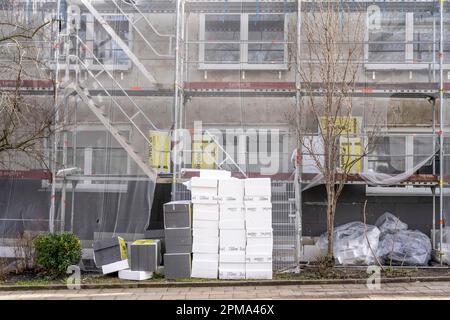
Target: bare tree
point(25, 121)
point(331, 50)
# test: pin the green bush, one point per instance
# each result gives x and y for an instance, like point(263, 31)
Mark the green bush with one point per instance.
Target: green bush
point(55, 252)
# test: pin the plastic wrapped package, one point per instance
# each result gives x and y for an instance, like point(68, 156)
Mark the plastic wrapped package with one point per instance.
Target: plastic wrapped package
point(354, 243)
point(404, 247)
point(387, 222)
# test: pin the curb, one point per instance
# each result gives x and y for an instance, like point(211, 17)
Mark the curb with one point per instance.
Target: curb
point(135, 285)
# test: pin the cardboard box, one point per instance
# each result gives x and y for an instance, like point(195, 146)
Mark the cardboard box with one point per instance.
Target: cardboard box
point(178, 240)
point(177, 265)
point(232, 239)
point(231, 256)
point(145, 255)
point(115, 266)
point(205, 266)
point(230, 190)
point(206, 211)
point(258, 187)
point(178, 214)
point(108, 251)
point(205, 245)
point(205, 224)
point(232, 271)
point(135, 275)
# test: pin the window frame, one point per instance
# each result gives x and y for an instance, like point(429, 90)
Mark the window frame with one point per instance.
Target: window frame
point(87, 185)
point(406, 190)
point(90, 33)
point(243, 64)
point(408, 63)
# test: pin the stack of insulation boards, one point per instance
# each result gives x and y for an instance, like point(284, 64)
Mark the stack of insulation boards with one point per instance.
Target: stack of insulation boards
point(178, 238)
point(232, 227)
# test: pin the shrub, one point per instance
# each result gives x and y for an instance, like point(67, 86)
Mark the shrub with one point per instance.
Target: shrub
point(55, 252)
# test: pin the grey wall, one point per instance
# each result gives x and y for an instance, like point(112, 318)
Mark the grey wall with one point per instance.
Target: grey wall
point(416, 211)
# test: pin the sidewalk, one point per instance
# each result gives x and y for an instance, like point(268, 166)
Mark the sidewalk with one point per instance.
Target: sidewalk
point(416, 290)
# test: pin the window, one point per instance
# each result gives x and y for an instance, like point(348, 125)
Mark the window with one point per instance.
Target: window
point(388, 42)
point(395, 154)
point(97, 153)
point(405, 41)
point(101, 47)
point(243, 41)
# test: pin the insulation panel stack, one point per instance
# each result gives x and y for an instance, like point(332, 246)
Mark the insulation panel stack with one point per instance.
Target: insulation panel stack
point(178, 238)
point(259, 234)
point(205, 245)
point(232, 229)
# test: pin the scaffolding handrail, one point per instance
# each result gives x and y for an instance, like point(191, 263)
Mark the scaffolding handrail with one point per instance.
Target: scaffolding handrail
point(115, 82)
point(140, 33)
point(225, 153)
point(112, 99)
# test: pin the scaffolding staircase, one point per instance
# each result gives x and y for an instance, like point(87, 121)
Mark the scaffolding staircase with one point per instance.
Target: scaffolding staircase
point(119, 41)
point(100, 113)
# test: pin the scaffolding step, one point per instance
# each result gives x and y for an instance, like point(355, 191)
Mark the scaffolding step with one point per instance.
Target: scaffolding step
point(125, 143)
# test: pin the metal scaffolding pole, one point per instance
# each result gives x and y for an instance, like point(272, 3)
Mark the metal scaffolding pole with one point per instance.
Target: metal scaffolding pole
point(298, 171)
point(177, 88)
point(441, 120)
point(51, 219)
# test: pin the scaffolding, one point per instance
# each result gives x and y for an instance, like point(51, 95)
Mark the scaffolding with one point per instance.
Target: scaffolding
point(86, 78)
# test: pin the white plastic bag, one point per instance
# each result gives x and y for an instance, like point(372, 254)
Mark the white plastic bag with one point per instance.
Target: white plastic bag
point(387, 222)
point(404, 247)
point(351, 243)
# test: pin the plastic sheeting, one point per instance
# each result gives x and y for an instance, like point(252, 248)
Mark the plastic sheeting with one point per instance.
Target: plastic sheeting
point(375, 178)
point(353, 243)
point(387, 222)
point(404, 247)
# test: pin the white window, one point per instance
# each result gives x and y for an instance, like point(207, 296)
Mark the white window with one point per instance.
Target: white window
point(99, 156)
point(243, 41)
point(95, 47)
point(406, 40)
point(397, 153)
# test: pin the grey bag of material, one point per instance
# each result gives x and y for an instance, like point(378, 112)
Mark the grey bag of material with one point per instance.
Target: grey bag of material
point(145, 255)
point(387, 222)
point(354, 243)
point(404, 247)
point(108, 251)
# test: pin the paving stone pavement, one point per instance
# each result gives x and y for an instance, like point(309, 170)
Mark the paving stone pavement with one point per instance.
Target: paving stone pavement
point(416, 290)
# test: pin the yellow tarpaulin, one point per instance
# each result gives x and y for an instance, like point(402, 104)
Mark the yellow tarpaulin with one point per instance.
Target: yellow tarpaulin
point(159, 151)
point(351, 152)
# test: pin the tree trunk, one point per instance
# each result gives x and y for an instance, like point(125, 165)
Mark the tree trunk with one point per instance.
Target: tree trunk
point(330, 225)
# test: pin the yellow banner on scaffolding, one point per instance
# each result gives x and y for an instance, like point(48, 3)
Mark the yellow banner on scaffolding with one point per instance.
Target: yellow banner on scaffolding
point(345, 125)
point(159, 151)
point(351, 154)
point(204, 154)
